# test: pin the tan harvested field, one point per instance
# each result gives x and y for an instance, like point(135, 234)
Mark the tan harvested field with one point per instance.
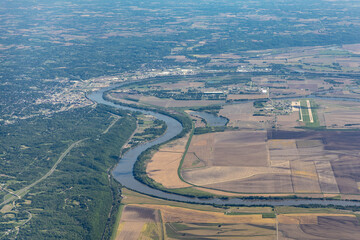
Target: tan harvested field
point(176, 214)
point(141, 220)
point(163, 169)
point(326, 176)
point(241, 115)
point(341, 114)
point(179, 85)
point(217, 174)
point(197, 224)
point(134, 220)
point(177, 103)
point(279, 162)
point(227, 148)
point(163, 166)
point(235, 161)
point(192, 161)
point(288, 121)
point(219, 231)
point(246, 96)
point(260, 183)
point(304, 177)
point(318, 226)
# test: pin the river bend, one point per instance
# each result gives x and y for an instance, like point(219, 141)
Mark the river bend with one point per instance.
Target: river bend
point(123, 172)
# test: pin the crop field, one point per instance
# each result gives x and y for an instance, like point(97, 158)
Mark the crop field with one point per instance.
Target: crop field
point(191, 221)
point(288, 121)
point(341, 114)
point(179, 85)
point(331, 153)
point(235, 161)
point(151, 218)
point(139, 223)
point(161, 102)
point(241, 115)
point(163, 166)
point(302, 162)
point(318, 226)
point(246, 96)
point(176, 230)
point(184, 223)
point(167, 102)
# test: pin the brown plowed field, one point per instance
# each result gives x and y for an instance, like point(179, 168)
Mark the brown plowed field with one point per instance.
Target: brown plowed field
point(316, 226)
point(304, 162)
point(132, 221)
point(260, 183)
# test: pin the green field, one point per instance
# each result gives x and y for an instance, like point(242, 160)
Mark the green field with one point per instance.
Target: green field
point(306, 115)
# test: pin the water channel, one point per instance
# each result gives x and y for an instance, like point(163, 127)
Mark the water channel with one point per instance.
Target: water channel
point(123, 172)
point(211, 119)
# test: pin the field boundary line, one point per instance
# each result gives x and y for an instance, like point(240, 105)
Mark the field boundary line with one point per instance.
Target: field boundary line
point(184, 155)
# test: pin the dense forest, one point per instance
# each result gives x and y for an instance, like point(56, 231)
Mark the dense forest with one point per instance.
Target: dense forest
point(75, 201)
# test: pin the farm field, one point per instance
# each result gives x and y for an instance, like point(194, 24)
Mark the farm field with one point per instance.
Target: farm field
point(164, 164)
point(162, 102)
point(297, 162)
point(145, 217)
point(139, 223)
point(241, 115)
point(318, 226)
point(340, 114)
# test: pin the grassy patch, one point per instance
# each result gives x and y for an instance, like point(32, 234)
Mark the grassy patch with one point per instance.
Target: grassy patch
point(306, 115)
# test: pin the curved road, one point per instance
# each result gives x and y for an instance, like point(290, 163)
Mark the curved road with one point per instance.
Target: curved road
point(124, 170)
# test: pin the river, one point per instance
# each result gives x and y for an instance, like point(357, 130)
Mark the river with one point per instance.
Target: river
point(123, 172)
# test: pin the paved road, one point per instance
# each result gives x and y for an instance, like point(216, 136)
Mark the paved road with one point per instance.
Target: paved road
point(19, 193)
